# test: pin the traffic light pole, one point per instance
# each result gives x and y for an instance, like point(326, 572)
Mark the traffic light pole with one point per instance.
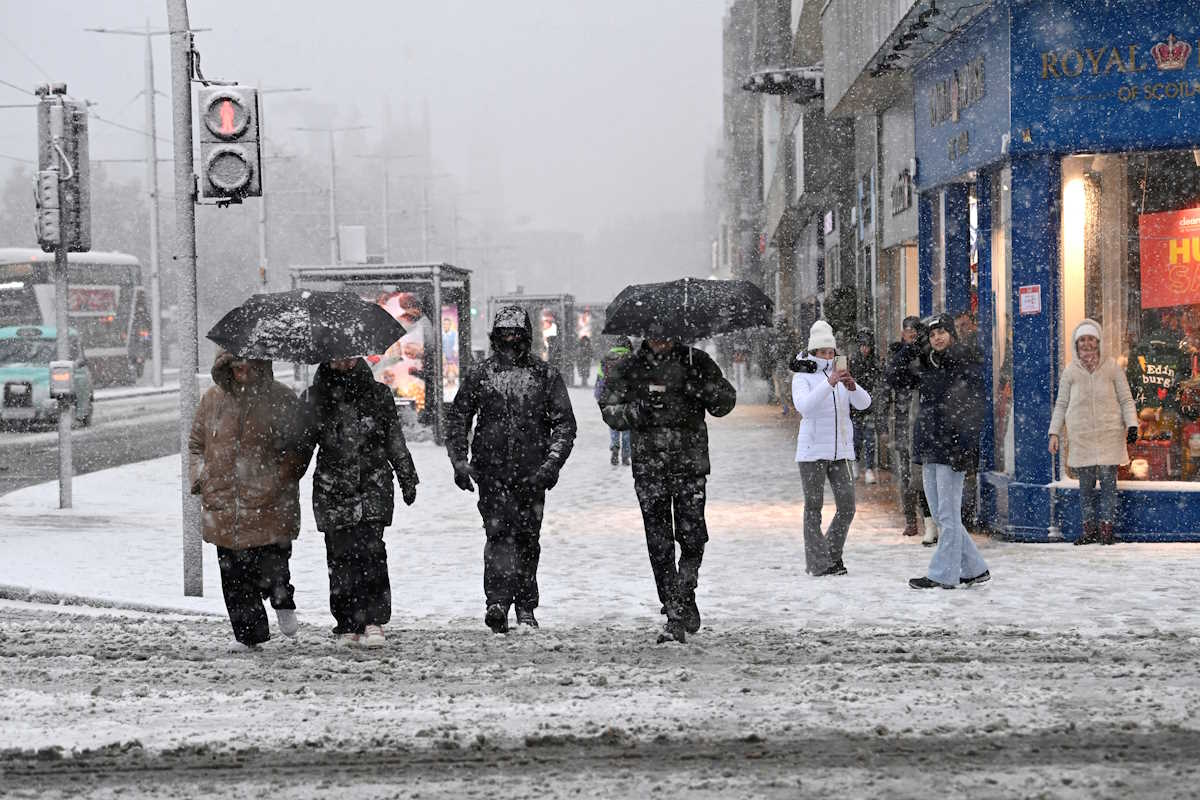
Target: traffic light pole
point(62, 323)
point(184, 255)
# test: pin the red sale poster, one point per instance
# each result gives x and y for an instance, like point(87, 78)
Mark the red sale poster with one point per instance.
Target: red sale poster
point(1169, 243)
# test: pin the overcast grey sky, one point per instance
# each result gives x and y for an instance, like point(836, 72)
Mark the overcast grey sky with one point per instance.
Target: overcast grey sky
point(593, 109)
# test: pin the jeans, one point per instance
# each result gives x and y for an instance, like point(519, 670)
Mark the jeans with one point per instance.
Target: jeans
point(864, 441)
point(619, 439)
point(956, 556)
point(1098, 506)
point(823, 551)
point(360, 592)
point(247, 578)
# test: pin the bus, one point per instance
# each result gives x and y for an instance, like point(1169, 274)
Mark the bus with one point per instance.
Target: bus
point(106, 304)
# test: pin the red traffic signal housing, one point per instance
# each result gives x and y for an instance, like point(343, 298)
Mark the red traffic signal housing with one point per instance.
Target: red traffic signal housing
point(230, 155)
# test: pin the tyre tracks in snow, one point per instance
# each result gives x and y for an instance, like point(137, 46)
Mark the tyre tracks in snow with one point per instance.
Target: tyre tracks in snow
point(104, 699)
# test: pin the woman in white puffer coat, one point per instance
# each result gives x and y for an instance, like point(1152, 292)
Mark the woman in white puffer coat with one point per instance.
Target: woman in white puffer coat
point(823, 395)
point(1097, 407)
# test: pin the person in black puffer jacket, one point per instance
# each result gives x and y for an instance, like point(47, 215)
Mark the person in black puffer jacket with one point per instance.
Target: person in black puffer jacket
point(948, 379)
point(352, 420)
point(661, 393)
point(524, 432)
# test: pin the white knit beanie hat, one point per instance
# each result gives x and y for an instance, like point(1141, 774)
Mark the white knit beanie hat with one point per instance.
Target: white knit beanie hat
point(1087, 328)
point(820, 335)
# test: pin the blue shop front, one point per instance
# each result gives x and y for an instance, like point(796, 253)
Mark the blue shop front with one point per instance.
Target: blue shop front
point(1058, 165)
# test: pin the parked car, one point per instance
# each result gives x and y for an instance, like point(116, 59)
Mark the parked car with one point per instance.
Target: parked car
point(25, 355)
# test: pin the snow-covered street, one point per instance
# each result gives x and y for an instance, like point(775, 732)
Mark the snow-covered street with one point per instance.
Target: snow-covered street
point(1072, 674)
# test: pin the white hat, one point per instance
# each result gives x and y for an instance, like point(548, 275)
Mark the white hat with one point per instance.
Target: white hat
point(1086, 328)
point(820, 335)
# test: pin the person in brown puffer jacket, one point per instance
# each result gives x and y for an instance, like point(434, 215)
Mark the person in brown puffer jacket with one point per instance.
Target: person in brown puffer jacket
point(246, 458)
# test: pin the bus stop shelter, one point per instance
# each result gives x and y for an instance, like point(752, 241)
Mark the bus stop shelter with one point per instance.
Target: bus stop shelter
point(433, 302)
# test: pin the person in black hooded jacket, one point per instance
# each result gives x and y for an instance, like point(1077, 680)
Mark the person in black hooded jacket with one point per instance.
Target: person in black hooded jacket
point(948, 379)
point(352, 420)
point(524, 432)
point(662, 393)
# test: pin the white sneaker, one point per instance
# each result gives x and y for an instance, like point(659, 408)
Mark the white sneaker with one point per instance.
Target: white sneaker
point(373, 637)
point(288, 624)
point(870, 477)
point(931, 532)
point(235, 647)
point(348, 639)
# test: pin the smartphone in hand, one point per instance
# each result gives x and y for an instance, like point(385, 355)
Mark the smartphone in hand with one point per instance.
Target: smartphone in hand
point(839, 363)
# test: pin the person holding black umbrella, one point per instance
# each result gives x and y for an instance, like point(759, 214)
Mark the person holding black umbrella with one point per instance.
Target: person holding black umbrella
point(661, 393)
point(524, 432)
point(353, 424)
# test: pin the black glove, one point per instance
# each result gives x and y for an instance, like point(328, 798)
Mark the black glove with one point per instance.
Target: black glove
point(545, 478)
point(639, 413)
point(409, 492)
point(1131, 435)
point(463, 473)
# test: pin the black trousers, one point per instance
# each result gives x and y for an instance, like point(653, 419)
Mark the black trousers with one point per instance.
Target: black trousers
point(512, 519)
point(673, 511)
point(360, 592)
point(247, 578)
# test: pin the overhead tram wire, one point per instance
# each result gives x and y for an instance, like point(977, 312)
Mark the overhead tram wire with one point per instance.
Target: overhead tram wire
point(25, 55)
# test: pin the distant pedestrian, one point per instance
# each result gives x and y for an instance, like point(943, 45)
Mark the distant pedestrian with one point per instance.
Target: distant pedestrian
point(868, 373)
point(245, 460)
point(584, 353)
point(662, 393)
point(784, 348)
point(824, 396)
point(967, 329)
point(1095, 402)
point(741, 361)
point(949, 383)
point(901, 399)
point(619, 443)
point(353, 423)
point(524, 432)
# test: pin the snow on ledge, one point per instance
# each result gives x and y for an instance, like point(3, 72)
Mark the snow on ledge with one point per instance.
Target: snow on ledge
point(1127, 486)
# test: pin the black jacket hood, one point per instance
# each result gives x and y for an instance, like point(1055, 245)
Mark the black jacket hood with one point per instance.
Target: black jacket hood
point(512, 317)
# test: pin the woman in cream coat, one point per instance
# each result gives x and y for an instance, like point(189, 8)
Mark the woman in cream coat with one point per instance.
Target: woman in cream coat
point(823, 396)
point(1095, 403)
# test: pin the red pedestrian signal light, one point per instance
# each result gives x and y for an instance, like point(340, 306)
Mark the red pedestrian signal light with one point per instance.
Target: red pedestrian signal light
point(229, 142)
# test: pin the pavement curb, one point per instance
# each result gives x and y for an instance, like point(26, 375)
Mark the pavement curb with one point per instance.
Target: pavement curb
point(26, 594)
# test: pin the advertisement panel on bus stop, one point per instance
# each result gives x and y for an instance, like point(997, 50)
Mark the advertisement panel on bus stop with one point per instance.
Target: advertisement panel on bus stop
point(404, 367)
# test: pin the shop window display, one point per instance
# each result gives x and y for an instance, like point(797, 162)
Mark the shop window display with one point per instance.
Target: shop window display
point(1131, 261)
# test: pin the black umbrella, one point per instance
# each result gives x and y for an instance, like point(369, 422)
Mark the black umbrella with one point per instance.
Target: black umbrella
point(687, 309)
point(306, 326)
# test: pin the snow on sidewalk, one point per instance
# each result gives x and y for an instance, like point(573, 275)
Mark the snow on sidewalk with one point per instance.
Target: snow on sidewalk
point(122, 542)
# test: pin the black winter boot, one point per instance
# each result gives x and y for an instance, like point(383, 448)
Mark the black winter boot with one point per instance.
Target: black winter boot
point(525, 617)
point(1090, 535)
point(691, 613)
point(1106, 533)
point(496, 618)
point(616, 456)
point(673, 630)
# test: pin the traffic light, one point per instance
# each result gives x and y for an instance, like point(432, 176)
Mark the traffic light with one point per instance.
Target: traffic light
point(62, 185)
point(230, 158)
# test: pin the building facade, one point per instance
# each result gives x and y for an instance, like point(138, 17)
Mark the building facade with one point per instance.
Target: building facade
point(1058, 178)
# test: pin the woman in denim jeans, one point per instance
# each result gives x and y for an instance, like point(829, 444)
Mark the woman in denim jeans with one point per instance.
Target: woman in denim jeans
point(949, 382)
point(1095, 403)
